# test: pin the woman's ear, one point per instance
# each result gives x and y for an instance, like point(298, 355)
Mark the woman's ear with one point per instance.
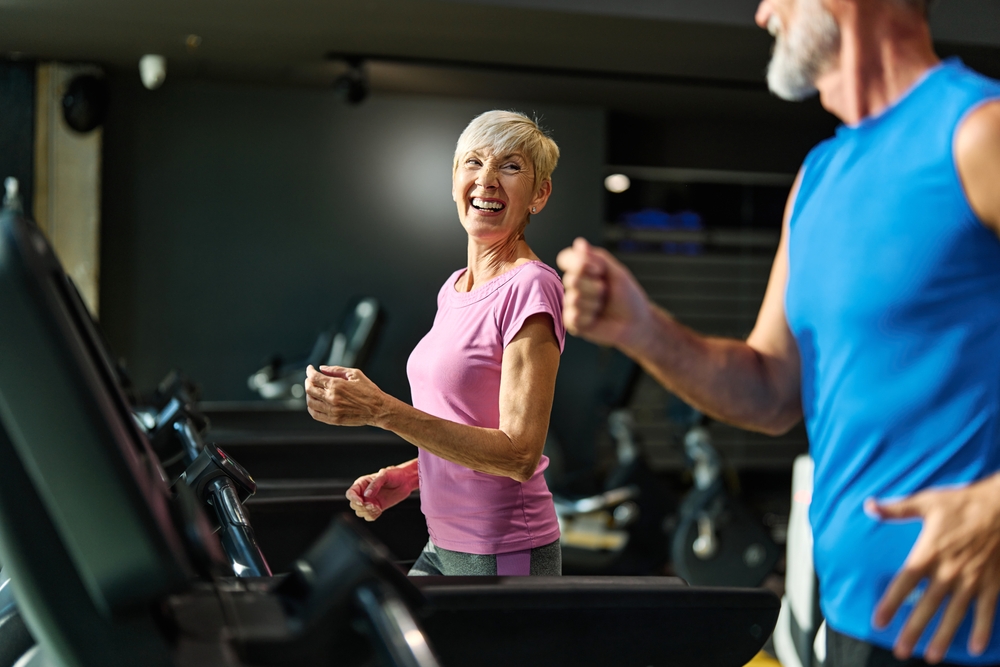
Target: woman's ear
point(541, 197)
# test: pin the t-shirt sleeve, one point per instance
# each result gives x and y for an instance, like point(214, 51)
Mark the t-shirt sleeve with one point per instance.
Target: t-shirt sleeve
point(533, 291)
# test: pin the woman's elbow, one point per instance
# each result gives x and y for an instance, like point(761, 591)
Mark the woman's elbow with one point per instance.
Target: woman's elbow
point(525, 465)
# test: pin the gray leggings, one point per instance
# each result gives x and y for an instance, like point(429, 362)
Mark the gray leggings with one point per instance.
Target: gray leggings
point(541, 561)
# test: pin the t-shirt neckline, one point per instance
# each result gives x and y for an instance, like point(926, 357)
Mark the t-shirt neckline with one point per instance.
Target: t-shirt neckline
point(869, 121)
point(482, 291)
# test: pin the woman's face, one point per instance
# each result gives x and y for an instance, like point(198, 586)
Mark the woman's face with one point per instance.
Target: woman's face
point(495, 193)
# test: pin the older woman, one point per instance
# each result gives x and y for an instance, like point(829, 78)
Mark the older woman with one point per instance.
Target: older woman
point(482, 379)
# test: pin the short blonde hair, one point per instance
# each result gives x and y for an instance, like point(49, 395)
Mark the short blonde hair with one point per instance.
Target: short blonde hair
point(506, 132)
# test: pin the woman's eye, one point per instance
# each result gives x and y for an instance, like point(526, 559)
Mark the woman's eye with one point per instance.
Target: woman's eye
point(512, 167)
point(472, 162)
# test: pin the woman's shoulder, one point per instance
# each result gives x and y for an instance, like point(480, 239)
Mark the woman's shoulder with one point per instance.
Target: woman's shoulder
point(536, 271)
point(535, 289)
point(534, 280)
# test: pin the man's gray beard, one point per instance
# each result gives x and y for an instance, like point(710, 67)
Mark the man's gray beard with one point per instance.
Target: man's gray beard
point(803, 52)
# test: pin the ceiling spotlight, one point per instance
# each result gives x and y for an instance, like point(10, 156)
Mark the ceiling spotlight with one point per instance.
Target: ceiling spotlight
point(617, 183)
point(352, 86)
point(152, 70)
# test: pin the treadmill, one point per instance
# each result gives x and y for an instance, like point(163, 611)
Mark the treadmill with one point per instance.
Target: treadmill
point(112, 567)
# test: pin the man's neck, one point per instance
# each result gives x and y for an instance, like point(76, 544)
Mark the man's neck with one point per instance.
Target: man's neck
point(885, 49)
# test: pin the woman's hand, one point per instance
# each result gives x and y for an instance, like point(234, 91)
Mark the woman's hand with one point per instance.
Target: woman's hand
point(373, 494)
point(343, 397)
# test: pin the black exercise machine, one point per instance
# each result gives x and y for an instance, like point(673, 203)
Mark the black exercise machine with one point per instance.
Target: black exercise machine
point(709, 537)
point(348, 344)
point(110, 566)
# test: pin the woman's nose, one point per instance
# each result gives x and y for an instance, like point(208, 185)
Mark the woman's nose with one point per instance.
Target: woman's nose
point(487, 177)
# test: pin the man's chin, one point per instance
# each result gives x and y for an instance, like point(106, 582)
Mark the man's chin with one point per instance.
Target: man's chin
point(788, 82)
point(791, 93)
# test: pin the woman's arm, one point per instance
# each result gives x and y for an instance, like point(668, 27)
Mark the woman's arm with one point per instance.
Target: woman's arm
point(344, 396)
point(371, 495)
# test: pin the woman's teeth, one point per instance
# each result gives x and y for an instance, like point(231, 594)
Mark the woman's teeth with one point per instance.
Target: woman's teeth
point(487, 204)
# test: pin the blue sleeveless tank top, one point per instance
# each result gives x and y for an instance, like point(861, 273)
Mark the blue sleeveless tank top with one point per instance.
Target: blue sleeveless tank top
point(894, 299)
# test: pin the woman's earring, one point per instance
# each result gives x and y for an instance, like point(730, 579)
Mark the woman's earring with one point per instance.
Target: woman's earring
point(534, 209)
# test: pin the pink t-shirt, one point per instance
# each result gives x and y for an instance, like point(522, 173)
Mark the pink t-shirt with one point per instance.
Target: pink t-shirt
point(454, 374)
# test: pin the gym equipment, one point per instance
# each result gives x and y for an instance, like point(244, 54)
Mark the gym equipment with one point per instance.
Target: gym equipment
point(637, 525)
point(303, 469)
point(15, 639)
point(225, 485)
point(216, 479)
point(110, 568)
point(717, 541)
point(621, 530)
point(624, 530)
point(800, 634)
point(106, 564)
point(347, 345)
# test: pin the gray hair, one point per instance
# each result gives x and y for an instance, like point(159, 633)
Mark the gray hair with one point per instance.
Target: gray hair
point(506, 132)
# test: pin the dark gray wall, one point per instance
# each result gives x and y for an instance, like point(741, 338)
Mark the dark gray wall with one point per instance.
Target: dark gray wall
point(17, 127)
point(238, 220)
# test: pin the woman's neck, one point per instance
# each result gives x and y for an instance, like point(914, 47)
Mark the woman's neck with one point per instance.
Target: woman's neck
point(487, 261)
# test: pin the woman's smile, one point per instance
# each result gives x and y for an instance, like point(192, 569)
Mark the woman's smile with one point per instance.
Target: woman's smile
point(488, 205)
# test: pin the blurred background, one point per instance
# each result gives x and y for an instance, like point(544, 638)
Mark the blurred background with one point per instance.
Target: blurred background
point(278, 160)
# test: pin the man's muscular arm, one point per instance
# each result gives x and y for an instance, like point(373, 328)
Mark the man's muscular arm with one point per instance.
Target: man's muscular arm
point(977, 155)
point(958, 551)
point(752, 384)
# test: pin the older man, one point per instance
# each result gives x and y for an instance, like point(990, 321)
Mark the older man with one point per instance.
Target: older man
point(880, 326)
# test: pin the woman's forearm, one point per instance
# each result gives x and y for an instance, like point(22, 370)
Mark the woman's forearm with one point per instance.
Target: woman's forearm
point(484, 450)
point(410, 468)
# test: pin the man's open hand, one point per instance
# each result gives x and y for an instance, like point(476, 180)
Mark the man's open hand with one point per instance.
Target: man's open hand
point(958, 553)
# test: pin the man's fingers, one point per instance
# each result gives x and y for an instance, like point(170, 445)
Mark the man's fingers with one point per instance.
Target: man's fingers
point(921, 615)
point(594, 258)
point(578, 319)
point(580, 258)
point(568, 260)
point(900, 588)
point(982, 624)
point(952, 618)
point(586, 286)
point(907, 508)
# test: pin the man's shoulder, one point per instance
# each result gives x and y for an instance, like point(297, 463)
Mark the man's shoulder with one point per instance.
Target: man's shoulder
point(983, 122)
point(977, 157)
point(962, 74)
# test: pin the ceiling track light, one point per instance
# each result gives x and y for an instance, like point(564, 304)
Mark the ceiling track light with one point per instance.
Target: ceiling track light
point(352, 86)
point(571, 72)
